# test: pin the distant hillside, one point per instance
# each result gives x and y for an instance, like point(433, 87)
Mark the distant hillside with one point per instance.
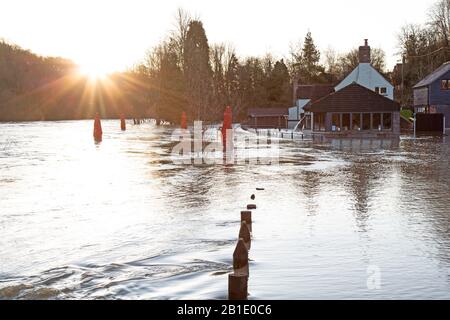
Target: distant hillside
point(22, 75)
point(47, 88)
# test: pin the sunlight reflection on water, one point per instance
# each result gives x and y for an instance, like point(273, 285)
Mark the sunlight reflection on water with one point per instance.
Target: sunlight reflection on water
point(119, 220)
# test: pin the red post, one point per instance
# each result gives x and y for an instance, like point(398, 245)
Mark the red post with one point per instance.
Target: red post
point(123, 125)
point(227, 125)
point(98, 132)
point(183, 120)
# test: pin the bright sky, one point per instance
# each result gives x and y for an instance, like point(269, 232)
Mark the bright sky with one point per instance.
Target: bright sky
point(110, 35)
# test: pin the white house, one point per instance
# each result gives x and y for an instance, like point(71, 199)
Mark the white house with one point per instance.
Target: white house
point(367, 76)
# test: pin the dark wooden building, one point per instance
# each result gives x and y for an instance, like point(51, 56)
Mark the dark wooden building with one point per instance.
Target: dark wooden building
point(355, 110)
point(306, 94)
point(432, 96)
point(267, 118)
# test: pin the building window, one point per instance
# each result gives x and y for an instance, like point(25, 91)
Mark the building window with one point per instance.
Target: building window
point(345, 121)
point(387, 121)
point(307, 122)
point(376, 121)
point(420, 110)
point(366, 121)
point(322, 122)
point(383, 91)
point(319, 122)
point(445, 84)
point(377, 90)
point(336, 122)
point(356, 121)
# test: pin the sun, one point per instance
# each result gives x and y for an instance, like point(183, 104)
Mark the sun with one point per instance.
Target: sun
point(93, 71)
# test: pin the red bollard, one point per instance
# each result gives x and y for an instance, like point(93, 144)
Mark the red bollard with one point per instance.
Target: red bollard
point(123, 125)
point(183, 121)
point(98, 132)
point(227, 125)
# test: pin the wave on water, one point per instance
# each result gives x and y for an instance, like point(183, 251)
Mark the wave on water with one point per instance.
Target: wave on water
point(143, 279)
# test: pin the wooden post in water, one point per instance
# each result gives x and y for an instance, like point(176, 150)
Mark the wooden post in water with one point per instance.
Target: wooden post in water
point(244, 233)
point(247, 217)
point(240, 258)
point(237, 287)
point(238, 281)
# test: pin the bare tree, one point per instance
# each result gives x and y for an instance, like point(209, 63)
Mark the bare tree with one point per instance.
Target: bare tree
point(179, 33)
point(332, 66)
point(439, 20)
point(350, 60)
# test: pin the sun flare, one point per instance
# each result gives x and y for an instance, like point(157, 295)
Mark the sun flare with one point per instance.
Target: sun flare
point(93, 72)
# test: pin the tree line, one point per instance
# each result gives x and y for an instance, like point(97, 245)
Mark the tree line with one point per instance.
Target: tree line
point(188, 74)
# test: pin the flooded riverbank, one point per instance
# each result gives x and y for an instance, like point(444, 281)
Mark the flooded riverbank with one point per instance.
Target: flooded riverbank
point(120, 220)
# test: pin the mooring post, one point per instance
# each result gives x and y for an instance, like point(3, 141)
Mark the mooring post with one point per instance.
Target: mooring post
point(244, 233)
point(240, 258)
point(237, 286)
point(123, 125)
point(247, 217)
point(98, 132)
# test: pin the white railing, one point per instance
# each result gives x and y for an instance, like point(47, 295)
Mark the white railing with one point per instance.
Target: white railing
point(298, 124)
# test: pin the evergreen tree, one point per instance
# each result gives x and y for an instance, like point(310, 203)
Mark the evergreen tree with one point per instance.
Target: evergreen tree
point(310, 69)
point(305, 63)
point(232, 80)
point(279, 88)
point(197, 70)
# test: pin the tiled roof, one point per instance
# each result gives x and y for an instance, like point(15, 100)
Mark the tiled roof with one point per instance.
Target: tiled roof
point(313, 92)
point(354, 98)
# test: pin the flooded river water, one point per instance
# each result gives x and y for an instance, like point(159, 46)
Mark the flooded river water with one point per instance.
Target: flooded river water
point(119, 220)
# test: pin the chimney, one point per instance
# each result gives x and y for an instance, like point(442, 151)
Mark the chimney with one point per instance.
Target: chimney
point(364, 52)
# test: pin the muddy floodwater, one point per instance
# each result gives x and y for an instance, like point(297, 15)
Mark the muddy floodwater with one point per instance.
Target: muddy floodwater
point(339, 219)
